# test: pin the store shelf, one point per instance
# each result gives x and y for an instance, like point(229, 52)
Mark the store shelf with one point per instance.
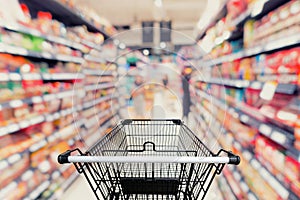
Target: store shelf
point(228, 82)
point(278, 135)
point(41, 188)
point(37, 76)
point(61, 13)
point(94, 59)
point(65, 185)
point(91, 45)
point(62, 76)
point(99, 86)
point(14, 127)
point(95, 119)
point(273, 181)
point(220, 13)
point(98, 72)
point(58, 40)
point(270, 46)
point(37, 99)
point(94, 138)
point(290, 89)
point(268, 6)
point(96, 101)
point(4, 48)
point(256, 13)
point(241, 19)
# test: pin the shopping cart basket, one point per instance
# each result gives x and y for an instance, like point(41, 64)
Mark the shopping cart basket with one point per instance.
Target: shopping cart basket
point(149, 159)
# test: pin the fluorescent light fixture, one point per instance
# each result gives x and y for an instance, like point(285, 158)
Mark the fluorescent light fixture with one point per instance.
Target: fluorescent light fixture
point(158, 3)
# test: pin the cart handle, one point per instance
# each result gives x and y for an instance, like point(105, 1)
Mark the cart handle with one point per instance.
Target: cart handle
point(65, 158)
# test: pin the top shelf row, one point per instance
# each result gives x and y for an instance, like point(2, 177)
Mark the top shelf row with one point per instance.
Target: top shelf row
point(257, 11)
point(265, 48)
point(62, 13)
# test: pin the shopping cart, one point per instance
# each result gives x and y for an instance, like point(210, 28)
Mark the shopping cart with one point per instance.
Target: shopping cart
point(149, 159)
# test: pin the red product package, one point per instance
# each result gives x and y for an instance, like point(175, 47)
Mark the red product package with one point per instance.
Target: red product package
point(273, 61)
point(252, 96)
point(292, 169)
point(290, 61)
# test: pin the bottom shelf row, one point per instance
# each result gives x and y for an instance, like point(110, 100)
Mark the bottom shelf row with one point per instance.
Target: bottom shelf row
point(258, 179)
point(39, 176)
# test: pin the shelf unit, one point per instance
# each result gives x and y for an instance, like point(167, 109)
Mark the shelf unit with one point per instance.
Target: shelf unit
point(82, 93)
point(63, 14)
point(222, 109)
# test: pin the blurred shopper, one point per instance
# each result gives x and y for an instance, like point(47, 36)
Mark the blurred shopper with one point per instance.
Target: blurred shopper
point(186, 101)
point(165, 80)
point(138, 97)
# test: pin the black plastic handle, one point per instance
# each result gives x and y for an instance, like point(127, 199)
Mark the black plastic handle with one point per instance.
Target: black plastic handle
point(63, 157)
point(234, 159)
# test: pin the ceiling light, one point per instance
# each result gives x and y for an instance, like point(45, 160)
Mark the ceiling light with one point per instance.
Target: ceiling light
point(146, 52)
point(158, 3)
point(116, 42)
point(122, 46)
point(163, 45)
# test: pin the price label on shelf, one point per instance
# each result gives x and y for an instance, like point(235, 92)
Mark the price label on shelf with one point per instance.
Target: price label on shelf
point(27, 175)
point(38, 145)
point(265, 129)
point(268, 90)
point(24, 124)
point(31, 76)
point(15, 103)
point(4, 77)
point(247, 155)
point(37, 120)
point(279, 137)
point(13, 128)
point(56, 116)
point(49, 97)
point(37, 99)
point(47, 55)
point(46, 76)
point(55, 175)
point(244, 118)
point(3, 131)
point(3, 164)
point(64, 94)
point(256, 85)
point(14, 158)
point(255, 164)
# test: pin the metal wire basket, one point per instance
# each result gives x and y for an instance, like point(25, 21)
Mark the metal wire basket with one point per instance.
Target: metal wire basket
point(149, 159)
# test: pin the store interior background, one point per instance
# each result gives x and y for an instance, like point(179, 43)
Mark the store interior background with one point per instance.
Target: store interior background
point(67, 72)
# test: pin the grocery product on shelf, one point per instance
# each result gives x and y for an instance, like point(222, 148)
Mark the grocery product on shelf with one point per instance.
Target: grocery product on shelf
point(47, 87)
point(253, 92)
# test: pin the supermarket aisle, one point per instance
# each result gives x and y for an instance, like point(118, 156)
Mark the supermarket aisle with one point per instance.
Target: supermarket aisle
point(166, 104)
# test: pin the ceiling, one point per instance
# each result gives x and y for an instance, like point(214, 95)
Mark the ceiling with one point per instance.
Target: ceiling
point(130, 12)
point(184, 14)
